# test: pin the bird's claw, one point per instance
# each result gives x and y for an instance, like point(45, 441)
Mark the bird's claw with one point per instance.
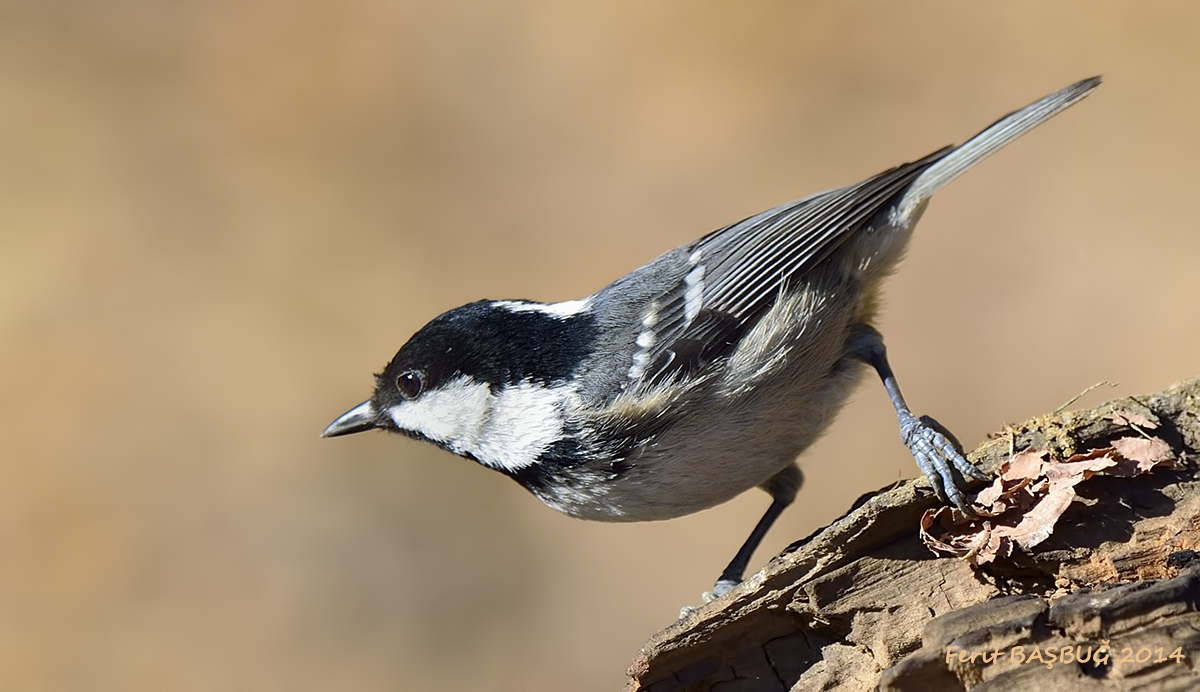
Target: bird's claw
point(942, 464)
point(722, 587)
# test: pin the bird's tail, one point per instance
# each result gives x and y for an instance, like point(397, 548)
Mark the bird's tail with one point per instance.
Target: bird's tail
point(994, 137)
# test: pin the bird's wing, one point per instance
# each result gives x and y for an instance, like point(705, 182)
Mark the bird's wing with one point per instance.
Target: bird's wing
point(735, 274)
point(731, 276)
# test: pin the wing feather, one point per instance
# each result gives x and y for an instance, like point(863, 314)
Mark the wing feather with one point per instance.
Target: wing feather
point(736, 273)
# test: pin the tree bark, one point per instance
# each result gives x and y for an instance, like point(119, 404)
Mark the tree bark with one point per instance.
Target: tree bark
point(862, 604)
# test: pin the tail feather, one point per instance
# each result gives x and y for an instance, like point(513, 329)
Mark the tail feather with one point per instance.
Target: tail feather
point(994, 137)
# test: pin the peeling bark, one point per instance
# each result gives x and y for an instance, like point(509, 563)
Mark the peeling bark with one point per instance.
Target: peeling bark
point(862, 604)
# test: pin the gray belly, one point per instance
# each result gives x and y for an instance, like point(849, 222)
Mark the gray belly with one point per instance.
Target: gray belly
point(706, 460)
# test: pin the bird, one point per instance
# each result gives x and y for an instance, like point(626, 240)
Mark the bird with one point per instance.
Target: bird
point(698, 376)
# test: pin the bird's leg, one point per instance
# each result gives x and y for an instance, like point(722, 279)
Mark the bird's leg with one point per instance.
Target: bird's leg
point(782, 487)
point(941, 462)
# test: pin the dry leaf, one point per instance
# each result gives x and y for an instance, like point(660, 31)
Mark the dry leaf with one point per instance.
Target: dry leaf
point(1028, 495)
point(951, 523)
point(1081, 469)
point(1027, 464)
point(1038, 523)
point(1146, 452)
point(1130, 418)
point(990, 496)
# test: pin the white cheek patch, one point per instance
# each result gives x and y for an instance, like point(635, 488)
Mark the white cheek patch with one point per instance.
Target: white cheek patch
point(446, 414)
point(507, 430)
point(525, 420)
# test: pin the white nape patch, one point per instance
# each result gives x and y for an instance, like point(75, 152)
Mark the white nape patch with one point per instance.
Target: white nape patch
point(562, 310)
point(645, 341)
point(507, 430)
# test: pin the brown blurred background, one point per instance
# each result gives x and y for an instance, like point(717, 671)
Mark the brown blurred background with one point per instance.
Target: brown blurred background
point(219, 218)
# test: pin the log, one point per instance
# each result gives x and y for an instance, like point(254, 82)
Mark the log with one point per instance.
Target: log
point(1108, 601)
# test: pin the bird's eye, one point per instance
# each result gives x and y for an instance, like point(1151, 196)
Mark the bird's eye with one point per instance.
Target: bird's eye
point(410, 384)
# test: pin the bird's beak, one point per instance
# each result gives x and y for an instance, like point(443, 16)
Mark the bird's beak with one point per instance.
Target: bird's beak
point(358, 419)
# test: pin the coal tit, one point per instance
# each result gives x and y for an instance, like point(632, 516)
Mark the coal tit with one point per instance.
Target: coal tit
point(695, 377)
